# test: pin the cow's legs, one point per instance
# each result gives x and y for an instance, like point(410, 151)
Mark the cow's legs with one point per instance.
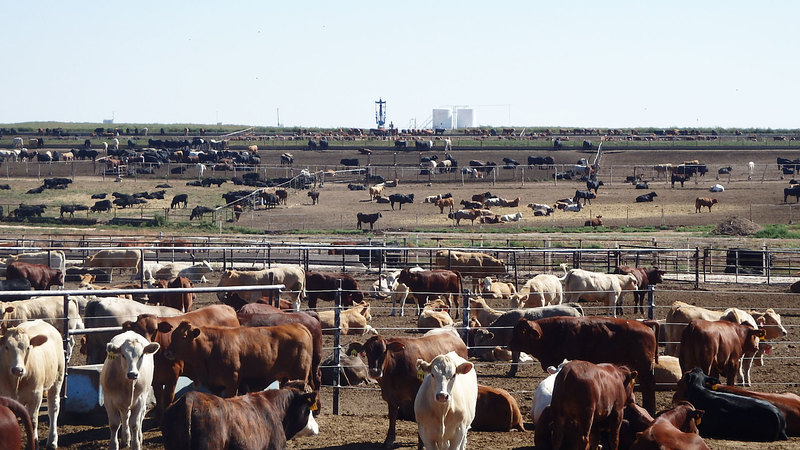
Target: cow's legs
point(392, 433)
point(114, 421)
point(514, 364)
point(53, 407)
point(135, 422)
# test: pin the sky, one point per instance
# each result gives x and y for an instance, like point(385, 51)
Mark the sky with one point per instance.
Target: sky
point(324, 64)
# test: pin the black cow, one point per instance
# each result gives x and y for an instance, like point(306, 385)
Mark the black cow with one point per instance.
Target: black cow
point(270, 199)
point(729, 416)
point(401, 198)
point(587, 196)
point(593, 185)
point(71, 209)
point(724, 170)
point(557, 144)
point(5, 187)
point(312, 144)
point(349, 162)
point(587, 144)
point(37, 190)
point(423, 145)
point(323, 144)
point(356, 187)
point(793, 191)
point(642, 185)
point(178, 199)
point(681, 178)
point(29, 210)
point(198, 211)
point(646, 197)
point(367, 218)
point(16, 284)
point(207, 182)
point(400, 144)
point(100, 206)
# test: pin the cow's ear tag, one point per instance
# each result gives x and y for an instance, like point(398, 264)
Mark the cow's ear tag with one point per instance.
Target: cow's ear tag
point(110, 355)
point(697, 421)
point(353, 353)
point(420, 374)
point(314, 407)
point(714, 387)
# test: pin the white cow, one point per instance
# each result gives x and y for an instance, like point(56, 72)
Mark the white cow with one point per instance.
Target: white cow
point(751, 167)
point(511, 217)
point(596, 286)
point(31, 362)
point(196, 273)
point(399, 291)
point(17, 142)
point(149, 268)
point(445, 402)
point(126, 378)
point(544, 392)
point(48, 309)
point(542, 290)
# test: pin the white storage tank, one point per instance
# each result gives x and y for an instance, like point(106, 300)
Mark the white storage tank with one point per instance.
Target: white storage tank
point(465, 118)
point(442, 118)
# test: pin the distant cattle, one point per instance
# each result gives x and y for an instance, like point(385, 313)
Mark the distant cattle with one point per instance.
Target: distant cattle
point(700, 202)
point(349, 162)
point(198, 212)
point(679, 178)
point(178, 200)
point(314, 196)
point(646, 197)
point(367, 218)
point(793, 191)
point(291, 276)
point(101, 205)
point(401, 199)
point(587, 196)
point(40, 276)
point(323, 285)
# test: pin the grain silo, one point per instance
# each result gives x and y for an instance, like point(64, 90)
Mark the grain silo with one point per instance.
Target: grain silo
point(465, 118)
point(442, 118)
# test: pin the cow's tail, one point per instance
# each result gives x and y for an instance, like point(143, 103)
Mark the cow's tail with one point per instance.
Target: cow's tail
point(566, 272)
point(654, 325)
point(23, 415)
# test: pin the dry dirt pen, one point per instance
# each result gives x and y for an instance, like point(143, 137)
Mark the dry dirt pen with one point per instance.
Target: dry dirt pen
point(362, 420)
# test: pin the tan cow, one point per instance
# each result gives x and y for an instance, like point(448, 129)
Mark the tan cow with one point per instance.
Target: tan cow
point(293, 277)
point(352, 321)
point(376, 191)
point(443, 203)
point(434, 315)
point(114, 258)
point(596, 286)
point(32, 362)
point(48, 309)
point(483, 313)
point(497, 289)
point(700, 202)
point(473, 264)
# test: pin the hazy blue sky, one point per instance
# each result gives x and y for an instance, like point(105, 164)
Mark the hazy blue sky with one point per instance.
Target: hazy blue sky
point(565, 63)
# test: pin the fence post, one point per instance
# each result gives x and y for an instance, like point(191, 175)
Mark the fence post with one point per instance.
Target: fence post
point(337, 302)
point(651, 301)
point(66, 344)
point(767, 262)
point(696, 267)
point(465, 317)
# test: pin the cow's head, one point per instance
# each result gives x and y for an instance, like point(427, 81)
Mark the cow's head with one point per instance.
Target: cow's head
point(686, 417)
point(655, 275)
point(182, 340)
point(145, 325)
point(693, 381)
point(299, 420)
point(443, 371)
point(770, 322)
point(376, 349)
point(15, 347)
point(131, 348)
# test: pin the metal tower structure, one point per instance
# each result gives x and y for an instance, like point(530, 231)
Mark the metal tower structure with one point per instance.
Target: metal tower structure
point(380, 112)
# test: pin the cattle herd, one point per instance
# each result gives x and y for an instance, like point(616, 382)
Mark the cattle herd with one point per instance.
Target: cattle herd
point(251, 338)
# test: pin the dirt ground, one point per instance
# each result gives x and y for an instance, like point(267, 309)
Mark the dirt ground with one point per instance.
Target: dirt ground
point(362, 423)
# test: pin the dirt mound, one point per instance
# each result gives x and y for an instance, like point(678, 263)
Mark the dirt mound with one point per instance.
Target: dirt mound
point(737, 226)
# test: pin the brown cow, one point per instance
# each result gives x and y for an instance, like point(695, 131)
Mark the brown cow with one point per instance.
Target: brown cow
point(644, 278)
point(40, 275)
point(717, 347)
point(704, 201)
point(553, 339)
point(283, 195)
point(264, 315)
point(596, 222)
point(228, 357)
point(423, 285)
point(443, 203)
point(257, 420)
point(392, 361)
point(673, 429)
point(166, 373)
point(10, 411)
point(180, 301)
point(496, 410)
point(787, 403)
point(324, 284)
point(589, 397)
